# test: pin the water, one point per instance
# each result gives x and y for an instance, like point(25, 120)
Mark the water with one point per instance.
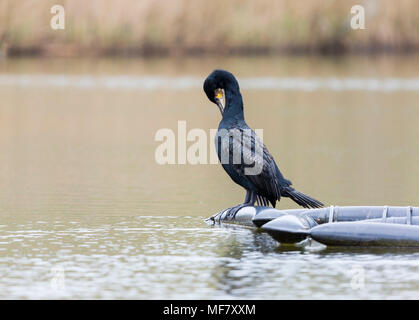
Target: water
point(86, 212)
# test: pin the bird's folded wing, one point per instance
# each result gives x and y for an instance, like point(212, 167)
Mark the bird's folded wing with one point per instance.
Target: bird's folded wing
point(255, 162)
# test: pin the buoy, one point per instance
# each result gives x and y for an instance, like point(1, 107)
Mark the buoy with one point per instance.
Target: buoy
point(288, 228)
point(366, 234)
point(352, 225)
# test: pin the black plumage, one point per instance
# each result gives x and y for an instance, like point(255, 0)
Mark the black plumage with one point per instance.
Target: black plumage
point(241, 151)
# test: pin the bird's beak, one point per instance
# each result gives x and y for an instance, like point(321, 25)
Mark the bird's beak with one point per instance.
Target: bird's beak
point(220, 106)
point(219, 98)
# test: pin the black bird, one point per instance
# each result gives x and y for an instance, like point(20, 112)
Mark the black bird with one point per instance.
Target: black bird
point(266, 182)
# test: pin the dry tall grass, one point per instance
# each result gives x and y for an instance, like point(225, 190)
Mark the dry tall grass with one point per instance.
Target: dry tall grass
point(218, 26)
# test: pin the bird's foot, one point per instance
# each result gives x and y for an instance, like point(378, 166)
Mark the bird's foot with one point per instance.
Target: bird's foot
point(233, 211)
point(215, 218)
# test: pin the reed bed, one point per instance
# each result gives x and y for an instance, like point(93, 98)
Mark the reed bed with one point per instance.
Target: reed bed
point(170, 27)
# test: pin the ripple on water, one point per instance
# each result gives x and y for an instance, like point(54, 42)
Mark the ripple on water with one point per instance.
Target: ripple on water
point(182, 258)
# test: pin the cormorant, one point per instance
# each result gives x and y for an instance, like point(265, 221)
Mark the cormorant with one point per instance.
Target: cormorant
point(263, 184)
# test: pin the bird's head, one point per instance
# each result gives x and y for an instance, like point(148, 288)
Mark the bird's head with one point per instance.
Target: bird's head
point(218, 85)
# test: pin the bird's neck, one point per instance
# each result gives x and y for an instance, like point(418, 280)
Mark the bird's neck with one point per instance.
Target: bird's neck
point(234, 105)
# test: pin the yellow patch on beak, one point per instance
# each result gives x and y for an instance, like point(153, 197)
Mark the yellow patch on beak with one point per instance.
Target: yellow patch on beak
point(219, 97)
point(219, 94)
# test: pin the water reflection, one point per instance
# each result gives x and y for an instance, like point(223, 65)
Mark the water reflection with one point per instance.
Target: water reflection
point(252, 264)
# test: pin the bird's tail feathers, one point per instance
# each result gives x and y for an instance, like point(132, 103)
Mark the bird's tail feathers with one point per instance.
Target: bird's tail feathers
point(302, 199)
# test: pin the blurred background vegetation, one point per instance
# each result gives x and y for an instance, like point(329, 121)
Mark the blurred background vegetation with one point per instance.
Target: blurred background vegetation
point(191, 27)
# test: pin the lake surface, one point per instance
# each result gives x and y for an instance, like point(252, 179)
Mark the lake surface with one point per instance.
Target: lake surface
point(87, 212)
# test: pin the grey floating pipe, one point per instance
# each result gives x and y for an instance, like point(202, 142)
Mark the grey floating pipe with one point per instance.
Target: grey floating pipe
point(289, 228)
point(352, 225)
point(258, 216)
point(365, 234)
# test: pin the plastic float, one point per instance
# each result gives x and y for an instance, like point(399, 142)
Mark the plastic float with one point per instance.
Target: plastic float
point(333, 226)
